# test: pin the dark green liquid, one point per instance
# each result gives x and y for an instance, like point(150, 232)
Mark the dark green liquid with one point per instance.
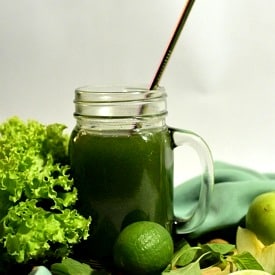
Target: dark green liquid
point(121, 179)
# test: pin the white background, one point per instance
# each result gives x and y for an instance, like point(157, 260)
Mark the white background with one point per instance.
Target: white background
point(220, 79)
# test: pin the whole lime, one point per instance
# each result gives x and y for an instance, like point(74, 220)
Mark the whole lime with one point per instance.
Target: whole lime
point(260, 217)
point(143, 247)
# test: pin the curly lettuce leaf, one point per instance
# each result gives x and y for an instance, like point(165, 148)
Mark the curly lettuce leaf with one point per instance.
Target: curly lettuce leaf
point(32, 232)
point(37, 195)
point(30, 161)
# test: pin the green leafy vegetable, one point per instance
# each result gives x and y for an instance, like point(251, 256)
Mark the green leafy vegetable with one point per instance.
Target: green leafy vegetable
point(219, 248)
point(211, 257)
point(184, 255)
point(37, 217)
point(247, 241)
point(218, 254)
point(70, 266)
point(191, 269)
point(246, 261)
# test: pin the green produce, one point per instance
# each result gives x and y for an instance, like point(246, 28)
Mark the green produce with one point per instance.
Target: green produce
point(247, 241)
point(70, 266)
point(37, 217)
point(260, 217)
point(210, 258)
point(143, 248)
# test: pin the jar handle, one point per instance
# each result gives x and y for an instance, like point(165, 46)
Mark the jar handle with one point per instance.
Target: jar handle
point(198, 215)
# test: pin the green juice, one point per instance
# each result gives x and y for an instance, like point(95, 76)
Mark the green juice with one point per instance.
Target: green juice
point(121, 178)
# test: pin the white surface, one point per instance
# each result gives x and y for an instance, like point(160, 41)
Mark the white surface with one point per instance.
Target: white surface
point(220, 79)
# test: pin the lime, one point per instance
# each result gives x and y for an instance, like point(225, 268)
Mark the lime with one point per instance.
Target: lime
point(143, 247)
point(260, 217)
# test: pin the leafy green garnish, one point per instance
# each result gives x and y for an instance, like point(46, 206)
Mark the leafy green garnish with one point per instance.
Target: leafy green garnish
point(184, 255)
point(37, 218)
point(191, 269)
point(246, 261)
point(192, 260)
point(70, 266)
point(31, 231)
point(219, 248)
point(247, 241)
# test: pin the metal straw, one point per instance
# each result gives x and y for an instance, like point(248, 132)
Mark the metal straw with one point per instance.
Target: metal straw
point(171, 44)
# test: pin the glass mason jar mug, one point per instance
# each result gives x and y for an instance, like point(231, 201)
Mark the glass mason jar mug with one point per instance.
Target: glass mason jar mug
point(122, 160)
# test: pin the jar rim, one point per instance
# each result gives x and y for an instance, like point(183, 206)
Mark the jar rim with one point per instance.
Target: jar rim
point(116, 93)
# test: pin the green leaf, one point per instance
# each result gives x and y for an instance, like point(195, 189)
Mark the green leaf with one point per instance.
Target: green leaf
point(215, 254)
point(70, 266)
point(247, 241)
point(184, 255)
point(221, 248)
point(191, 269)
point(246, 261)
point(187, 256)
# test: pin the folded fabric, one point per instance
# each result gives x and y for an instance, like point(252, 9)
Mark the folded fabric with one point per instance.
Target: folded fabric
point(234, 189)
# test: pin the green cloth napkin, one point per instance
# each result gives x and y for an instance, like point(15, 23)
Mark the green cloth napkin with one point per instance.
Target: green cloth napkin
point(234, 189)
